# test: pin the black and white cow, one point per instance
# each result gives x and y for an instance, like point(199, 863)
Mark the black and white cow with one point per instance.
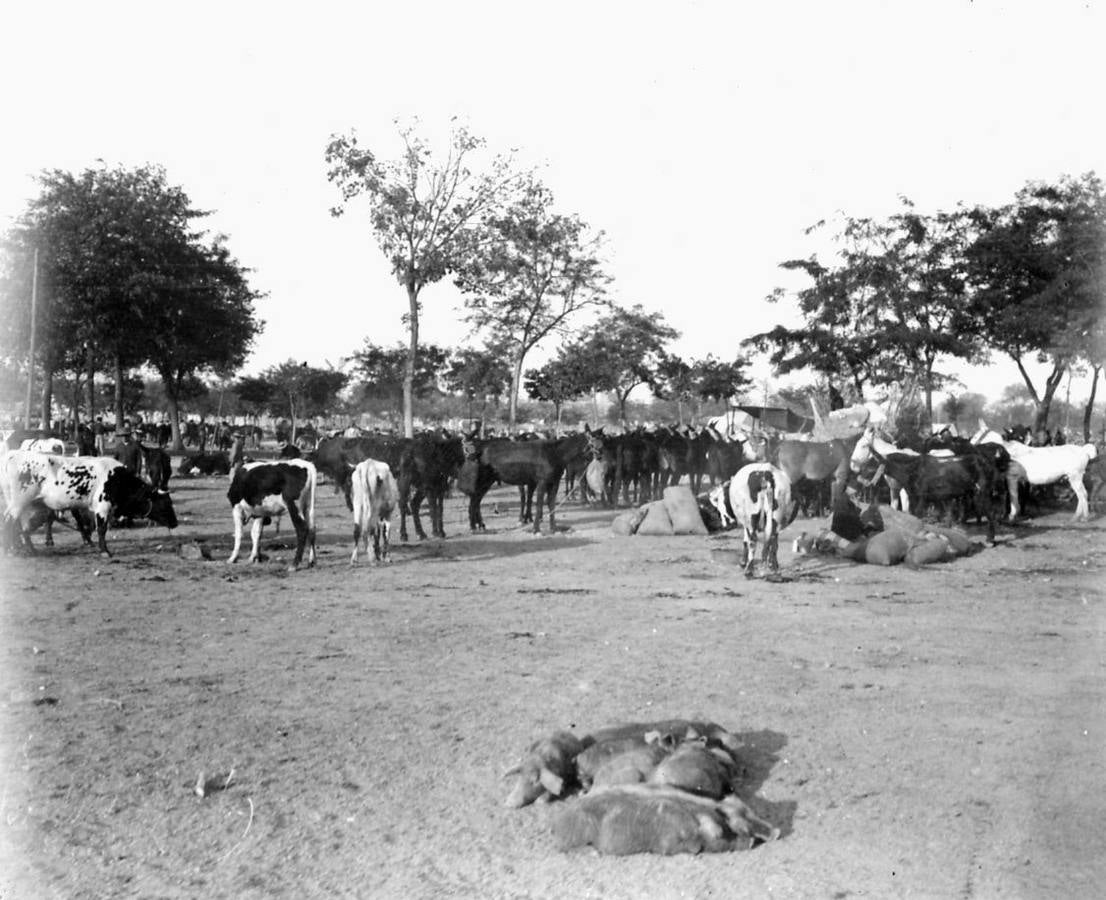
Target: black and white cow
point(98, 484)
point(374, 497)
point(261, 490)
point(759, 498)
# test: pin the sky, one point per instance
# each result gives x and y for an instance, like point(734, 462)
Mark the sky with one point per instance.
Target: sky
point(703, 138)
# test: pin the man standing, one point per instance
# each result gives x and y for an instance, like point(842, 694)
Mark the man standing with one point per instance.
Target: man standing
point(130, 454)
point(98, 435)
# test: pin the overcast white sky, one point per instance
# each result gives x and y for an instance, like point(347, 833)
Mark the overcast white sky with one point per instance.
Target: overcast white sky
point(702, 137)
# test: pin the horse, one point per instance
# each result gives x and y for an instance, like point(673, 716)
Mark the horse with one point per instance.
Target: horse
point(1043, 465)
point(815, 461)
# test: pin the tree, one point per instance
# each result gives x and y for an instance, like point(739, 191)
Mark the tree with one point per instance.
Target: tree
point(675, 380)
point(419, 208)
point(255, 394)
point(527, 272)
point(478, 375)
point(130, 281)
point(383, 372)
point(891, 306)
point(622, 351)
point(302, 391)
point(557, 382)
point(1036, 277)
point(715, 379)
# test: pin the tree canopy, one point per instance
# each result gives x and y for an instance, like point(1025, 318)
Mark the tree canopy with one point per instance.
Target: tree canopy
point(528, 272)
point(419, 208)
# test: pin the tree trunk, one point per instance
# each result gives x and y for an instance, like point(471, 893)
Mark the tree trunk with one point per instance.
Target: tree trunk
point(1088, 410)
point(412, 353)
point(512, 400)
point(177, 441)
point(47, 395)
point(118, 365)
point(1052, 384)
point(91, 386)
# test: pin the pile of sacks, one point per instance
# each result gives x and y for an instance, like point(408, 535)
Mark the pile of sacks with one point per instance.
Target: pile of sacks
point(884, 536)
point(676, 513)
point(656, 787)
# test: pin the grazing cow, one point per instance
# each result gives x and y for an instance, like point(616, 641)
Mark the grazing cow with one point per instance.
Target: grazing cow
point(814, 460)
point(100, 485)
point(260, 490)
point(1044, 465)
point(375, 495)
point(533, 465)
point(759, 497)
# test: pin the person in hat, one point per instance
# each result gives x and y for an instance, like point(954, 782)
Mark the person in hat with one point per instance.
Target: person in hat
point(130, 453)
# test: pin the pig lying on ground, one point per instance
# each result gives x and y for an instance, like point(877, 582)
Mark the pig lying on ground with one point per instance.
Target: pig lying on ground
point(659, 819)
point(548, 770)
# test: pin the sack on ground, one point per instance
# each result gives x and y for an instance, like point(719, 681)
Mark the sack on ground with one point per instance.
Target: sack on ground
point(656, 519)
point(628, 522)
point(930, 550)
point(888, 548)
point(683, 510)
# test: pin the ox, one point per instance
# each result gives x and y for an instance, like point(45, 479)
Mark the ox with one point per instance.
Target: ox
point(100, 485)
point(1044, 465)
point(375, 495)
point(759, 498)
point(260, 490)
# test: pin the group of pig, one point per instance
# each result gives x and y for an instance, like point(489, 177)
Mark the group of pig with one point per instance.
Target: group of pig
point(658, 787)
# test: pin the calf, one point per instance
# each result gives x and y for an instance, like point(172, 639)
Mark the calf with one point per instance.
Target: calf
point(375, 495)
point(760, 499)
point(205, 464)
point(260, 490)
point(98, 484)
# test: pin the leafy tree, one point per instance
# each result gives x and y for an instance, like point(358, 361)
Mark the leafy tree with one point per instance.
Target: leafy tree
point(383, 372)
point(675, 380)
point(622, 351)
point(1036, 274)
point(419, 208)
point(478, 374)
point(716, 379)
point(255, 394)
point(891, 306)
point(128, 280)
point(302, 391)
point(557, 382)
point(528, 272)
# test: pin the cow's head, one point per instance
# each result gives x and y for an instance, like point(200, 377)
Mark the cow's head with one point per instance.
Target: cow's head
point(161, 509)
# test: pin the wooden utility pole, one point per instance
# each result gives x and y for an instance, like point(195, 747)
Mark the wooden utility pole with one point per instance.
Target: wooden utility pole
point(31, 353)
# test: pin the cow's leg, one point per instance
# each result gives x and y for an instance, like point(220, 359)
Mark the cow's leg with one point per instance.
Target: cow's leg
point(237, 514)
point(84, 526)
point(551, 501)
point(1012, 484)
point(301, 531)
point(383, 529)
point(1082, 506)
point(256, 527)
point(771, 545)
point(748, 555)
point(356, 541)
point(101, 534)
point(438, 505)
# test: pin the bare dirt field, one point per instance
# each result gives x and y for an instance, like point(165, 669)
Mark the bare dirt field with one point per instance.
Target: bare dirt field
point(914, 733)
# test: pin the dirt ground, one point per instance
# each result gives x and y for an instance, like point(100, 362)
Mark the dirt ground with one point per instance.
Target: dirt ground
point(929, 733)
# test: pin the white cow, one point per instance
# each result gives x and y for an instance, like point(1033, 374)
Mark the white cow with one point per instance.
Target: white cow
point(759, 498)
point(374, 497)
point(1043, 465)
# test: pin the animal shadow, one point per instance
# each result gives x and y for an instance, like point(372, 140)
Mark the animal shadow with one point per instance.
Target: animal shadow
point(758, 755)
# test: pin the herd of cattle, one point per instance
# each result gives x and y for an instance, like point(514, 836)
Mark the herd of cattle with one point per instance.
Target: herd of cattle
point(769, 478)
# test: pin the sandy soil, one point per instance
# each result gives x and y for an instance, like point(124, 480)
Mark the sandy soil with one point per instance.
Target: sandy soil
point(931, 733)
